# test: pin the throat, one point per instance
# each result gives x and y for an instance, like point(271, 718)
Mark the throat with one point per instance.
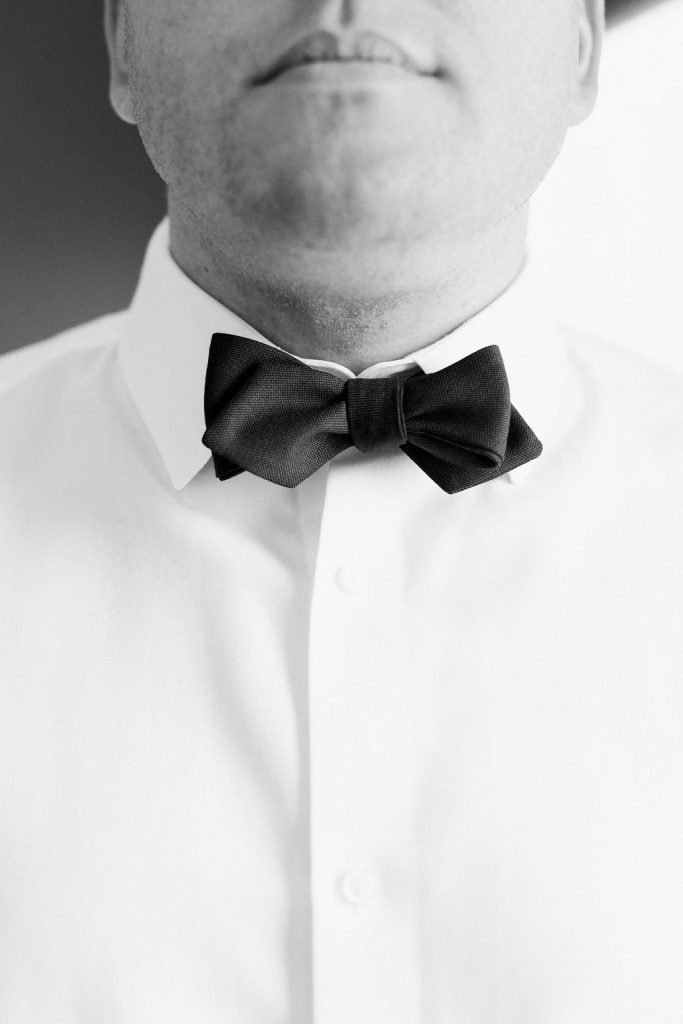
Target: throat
point(352, 308)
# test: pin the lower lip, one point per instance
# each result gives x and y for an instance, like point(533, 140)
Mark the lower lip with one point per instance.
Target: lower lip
point(340, 72)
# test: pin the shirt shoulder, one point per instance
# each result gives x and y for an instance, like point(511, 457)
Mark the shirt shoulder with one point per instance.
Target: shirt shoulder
point(608, 353)
point(19, 365)
point(55, 396)
point(645, 392)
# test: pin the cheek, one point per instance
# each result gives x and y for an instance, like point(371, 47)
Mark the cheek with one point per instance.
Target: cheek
point(522, 97)
point(518, 57)
point(184, 109)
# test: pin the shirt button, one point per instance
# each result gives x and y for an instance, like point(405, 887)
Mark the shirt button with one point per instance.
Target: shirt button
point(352, 578)
point(358, 887)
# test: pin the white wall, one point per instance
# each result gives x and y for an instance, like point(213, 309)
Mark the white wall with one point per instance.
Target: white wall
point(608, 221)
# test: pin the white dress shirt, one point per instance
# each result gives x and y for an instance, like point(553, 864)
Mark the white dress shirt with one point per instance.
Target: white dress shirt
point(358, 752)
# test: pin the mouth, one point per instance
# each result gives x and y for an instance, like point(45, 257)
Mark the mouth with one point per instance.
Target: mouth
point(325, 52)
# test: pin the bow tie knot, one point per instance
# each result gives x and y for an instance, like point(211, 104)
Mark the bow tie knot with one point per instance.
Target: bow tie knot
point(270, 414)
point(374, 408)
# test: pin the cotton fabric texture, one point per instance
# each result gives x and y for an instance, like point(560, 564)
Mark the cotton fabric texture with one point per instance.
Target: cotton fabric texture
point(353, 751)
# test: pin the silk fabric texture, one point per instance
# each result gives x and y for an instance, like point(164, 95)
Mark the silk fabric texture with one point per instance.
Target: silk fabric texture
point(270, 414)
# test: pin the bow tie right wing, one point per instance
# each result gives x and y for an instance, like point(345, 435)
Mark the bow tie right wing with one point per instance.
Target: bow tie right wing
point(462, 411)
point(462, 429)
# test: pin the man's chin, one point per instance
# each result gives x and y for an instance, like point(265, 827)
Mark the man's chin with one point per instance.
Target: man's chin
point(314, 213)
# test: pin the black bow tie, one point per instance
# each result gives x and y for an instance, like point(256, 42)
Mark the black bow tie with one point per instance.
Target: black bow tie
point(271, 415)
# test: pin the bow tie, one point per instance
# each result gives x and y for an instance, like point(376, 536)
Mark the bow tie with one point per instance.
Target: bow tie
point(272, 415)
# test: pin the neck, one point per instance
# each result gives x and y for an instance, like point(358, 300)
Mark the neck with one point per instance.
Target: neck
point(348, 306)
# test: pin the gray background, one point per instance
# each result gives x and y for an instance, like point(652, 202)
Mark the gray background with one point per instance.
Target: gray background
point(78, 199)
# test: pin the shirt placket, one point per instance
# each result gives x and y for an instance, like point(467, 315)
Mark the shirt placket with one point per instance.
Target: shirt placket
point(362, 769)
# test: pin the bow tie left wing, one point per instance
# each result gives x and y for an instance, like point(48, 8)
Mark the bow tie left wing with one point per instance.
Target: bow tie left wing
point(270, 414)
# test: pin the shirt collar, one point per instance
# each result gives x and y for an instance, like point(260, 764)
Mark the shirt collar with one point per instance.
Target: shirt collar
point(165, 347)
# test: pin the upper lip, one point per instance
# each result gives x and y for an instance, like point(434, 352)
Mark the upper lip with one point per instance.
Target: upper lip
point(324, 46)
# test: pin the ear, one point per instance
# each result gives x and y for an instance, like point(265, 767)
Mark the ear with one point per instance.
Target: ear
point(115, 34)
point(591, 30)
